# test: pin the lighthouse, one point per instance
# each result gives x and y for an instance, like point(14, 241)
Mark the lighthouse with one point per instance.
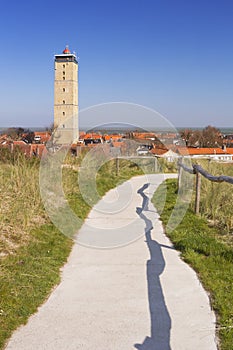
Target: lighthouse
point(66, 95)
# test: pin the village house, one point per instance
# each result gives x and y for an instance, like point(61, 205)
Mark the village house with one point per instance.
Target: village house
point(173, 152)
point(41, 136)
point(217, 154)
point(167, 154)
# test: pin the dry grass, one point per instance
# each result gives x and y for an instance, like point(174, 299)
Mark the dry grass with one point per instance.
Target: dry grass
point(205, 250)
point(20, 206)
point(217, 198)
point(28, 276)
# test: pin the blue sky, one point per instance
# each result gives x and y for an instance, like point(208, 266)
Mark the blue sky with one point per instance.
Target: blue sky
point(175, 56)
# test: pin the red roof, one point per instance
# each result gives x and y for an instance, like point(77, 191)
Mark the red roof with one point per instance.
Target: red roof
point(201, 151)
point(113, 137)
point(82, 134)
point(91, 136)
point(158, 151)
point(44, 135)
point(37, 149)
point(117, 144)
point(20, 143)
point(143, 135)
point(66, 51)
point(29, 149)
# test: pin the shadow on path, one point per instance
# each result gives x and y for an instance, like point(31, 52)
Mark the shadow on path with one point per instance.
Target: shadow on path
point(160, 318)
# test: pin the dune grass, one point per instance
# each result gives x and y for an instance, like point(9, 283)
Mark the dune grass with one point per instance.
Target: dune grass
point(32, 250)
point(26, 278)
point(217, 198)
point(209, 251)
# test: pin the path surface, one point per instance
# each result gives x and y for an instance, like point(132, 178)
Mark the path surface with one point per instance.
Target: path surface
point(140, 296)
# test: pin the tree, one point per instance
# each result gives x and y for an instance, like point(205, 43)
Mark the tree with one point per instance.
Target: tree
point(211, 137)
point(196, 140)
point(208, 137)
point(15, 133)
point(29, 138)
point(186, 134)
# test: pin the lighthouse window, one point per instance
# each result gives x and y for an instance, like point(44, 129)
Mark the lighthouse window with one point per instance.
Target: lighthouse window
point(64, 78)
point(64, 89)
point(64, 66)
point(64, 102)
point(63, 113)
point(64, 73)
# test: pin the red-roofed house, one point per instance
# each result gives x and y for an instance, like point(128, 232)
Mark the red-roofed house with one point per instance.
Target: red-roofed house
point(28, 150)
point(210, 153)
point(41, 136)
point(167, 154)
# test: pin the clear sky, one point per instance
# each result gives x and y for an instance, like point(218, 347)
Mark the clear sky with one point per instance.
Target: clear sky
point(175, 56)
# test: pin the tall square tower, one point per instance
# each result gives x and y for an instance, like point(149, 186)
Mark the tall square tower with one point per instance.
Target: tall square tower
point(66, 95)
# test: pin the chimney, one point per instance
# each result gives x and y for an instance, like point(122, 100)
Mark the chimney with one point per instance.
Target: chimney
point(224, 148)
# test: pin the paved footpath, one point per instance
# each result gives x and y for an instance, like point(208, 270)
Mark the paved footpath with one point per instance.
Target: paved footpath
point(139, 296)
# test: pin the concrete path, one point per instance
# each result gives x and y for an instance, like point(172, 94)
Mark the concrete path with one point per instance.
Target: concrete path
point(140, 296)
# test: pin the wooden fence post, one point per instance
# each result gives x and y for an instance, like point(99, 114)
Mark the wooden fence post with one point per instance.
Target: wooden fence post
point(179, 177)
point(117, 166)
point(179, 173)
point(198, 193)
point(155, 165)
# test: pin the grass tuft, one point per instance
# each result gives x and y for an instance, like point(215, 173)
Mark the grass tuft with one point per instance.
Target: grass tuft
point(205, 250)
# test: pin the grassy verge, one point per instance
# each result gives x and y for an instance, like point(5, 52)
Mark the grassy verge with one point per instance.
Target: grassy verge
point(33, 253)
point(210, 253)
point(216, 198)
point(28, 276)
point(20, 205)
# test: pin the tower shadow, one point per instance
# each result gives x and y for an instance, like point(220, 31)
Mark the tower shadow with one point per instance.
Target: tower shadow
point(159, 316)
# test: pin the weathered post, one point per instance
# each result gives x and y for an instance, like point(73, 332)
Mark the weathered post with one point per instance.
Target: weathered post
point(155, 165)
point(78, 151)
point(117, 166)
point(179, 176)
point(179, 173)
point(198, 192)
